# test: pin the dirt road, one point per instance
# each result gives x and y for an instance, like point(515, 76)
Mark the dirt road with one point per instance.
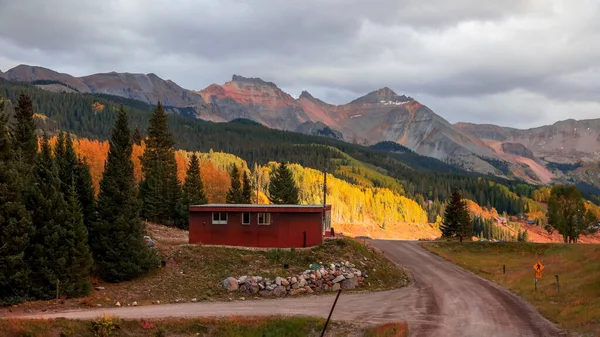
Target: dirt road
point(443, 300)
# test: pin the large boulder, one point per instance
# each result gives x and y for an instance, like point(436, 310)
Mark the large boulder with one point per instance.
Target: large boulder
point(279, 291)
point(231, 284)
point(349, 283)
point(339, 278)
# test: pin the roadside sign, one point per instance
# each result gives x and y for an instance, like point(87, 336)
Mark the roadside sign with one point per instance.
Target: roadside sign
point(538, 267)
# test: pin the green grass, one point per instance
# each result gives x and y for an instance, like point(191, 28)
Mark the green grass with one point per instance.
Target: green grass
point(575, 308)
point(224, 327)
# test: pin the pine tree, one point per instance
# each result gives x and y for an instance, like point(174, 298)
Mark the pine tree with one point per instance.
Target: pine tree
point(235, 193)
point(48, 250)
point(282, 188)
point(246, 189)
point(457, 221)
point(80, 259)
point(137, 136)
point(193, 192)
point(85, 191)
point(116, 239)
point(160, 189)
point(23, 131)
point(15, 225)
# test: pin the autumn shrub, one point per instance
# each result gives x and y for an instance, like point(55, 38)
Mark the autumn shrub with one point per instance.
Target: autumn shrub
point(106, 326)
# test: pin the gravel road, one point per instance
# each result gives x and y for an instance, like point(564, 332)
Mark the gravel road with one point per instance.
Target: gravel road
point(442, 300)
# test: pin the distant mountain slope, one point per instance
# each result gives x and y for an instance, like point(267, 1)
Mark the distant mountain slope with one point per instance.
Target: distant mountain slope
point(565, 141)
point(146, 88)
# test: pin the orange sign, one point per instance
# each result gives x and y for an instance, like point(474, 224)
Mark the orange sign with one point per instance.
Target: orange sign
point(538, 267)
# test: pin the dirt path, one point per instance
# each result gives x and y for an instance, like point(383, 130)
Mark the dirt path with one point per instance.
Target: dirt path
point(443, 300)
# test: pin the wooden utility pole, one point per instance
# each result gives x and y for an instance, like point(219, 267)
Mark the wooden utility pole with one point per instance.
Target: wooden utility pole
point(257, 186)
point(324, 198)
point(57, 289)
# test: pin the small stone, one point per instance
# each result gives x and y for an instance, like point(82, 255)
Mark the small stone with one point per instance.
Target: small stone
point(325, 287)
point(339, 278)
point(358, 273)
point(242, 298)
point(296, 285)
point(308, 290)
point(134, 303)
point(157, 302)
point(336, 287)
point(317, 274)
point(350, 275)
point(243, 279)
point(279, 291)
point(294, 280)
point(194, 299)
point(261, 286)
point(259, 278)
point(231, 284)
point(285, 283)
point(118, 304)
point(99, 288)
point(278, 280)
point(265, 293)
point(99, 305)
point(254, 280)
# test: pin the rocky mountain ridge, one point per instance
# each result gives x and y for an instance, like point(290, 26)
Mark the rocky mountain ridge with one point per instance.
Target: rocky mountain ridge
point(378, 116)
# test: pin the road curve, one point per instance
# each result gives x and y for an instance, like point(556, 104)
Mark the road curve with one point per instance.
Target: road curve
point(442, 300)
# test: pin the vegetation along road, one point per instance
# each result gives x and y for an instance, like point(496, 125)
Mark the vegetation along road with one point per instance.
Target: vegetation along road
point(443, 300)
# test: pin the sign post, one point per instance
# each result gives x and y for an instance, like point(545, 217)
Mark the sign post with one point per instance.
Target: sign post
point(538, 267)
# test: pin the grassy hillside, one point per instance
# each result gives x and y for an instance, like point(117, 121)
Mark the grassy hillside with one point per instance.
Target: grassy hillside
point(575, 308)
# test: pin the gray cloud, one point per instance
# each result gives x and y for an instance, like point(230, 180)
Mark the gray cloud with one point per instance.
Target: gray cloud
point(515, 62)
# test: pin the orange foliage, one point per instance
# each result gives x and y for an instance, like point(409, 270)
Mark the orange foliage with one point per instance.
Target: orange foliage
point(216, 182)
point(482, 212)
point(97, 106)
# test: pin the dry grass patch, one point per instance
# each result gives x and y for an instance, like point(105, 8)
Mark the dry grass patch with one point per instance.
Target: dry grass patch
point(575, 308)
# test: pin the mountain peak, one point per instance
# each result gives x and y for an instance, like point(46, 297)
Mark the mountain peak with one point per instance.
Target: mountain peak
point(383, 95)
point(252, 80)
point(306, 94)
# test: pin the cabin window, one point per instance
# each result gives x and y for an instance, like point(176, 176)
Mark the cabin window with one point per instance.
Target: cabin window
point(245, 218)
point(219, 218)
point(264, 218)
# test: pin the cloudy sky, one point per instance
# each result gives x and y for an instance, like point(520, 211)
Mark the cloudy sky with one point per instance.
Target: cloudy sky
point(517, 63)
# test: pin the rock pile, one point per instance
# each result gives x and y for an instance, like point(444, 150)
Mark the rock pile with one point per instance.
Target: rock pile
point(320, 278)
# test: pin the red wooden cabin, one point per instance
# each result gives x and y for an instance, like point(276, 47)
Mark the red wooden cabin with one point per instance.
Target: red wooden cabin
point(269, 226)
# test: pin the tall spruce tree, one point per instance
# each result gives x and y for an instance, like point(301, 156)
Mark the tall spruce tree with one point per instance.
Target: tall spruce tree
point(160, 189)
point(193, 192)
point(85, 191)
point(117, 238)
point(49, 251)
point(73, 169)
point(282, 188)
point(246, 189)
point(16, 227)
point(457, 221)
point(235, 194)
point(23, 131)
point(137, 136)
point(80, 259)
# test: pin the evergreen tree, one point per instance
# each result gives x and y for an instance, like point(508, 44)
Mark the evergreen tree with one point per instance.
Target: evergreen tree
point(73, 169)
point(137, 136)
point(246, 189)
point(85, 191)
point(457, 221)
point(116, 239)
point(193, 192)
point(23, 131)
point(49, 251)
point(235, 193)
point(80, 259)
point(15, 225)
point(160, 189)
point(282, 188)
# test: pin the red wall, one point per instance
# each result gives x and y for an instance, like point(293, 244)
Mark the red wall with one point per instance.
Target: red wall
point(285, 231)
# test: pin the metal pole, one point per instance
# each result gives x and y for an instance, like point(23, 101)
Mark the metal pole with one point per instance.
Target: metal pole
point(331, 312)
point(57, 289)
point(503, 269)
point(557, 284)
